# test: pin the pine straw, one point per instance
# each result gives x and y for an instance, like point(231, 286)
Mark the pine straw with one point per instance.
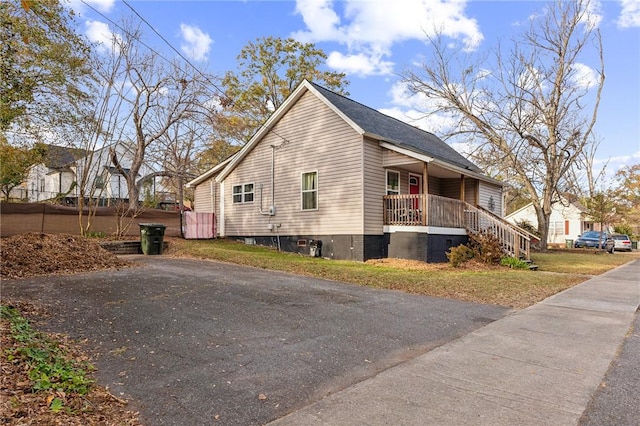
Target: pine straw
point(35, 254)
point(19, 405)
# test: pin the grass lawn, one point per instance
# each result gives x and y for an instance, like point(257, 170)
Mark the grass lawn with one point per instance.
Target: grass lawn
point(473, 283)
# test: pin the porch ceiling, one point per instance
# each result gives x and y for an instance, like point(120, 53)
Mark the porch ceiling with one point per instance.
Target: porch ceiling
point(415, 166)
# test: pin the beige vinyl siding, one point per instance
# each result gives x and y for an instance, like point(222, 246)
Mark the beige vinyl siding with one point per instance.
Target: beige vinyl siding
point(470, 189)
point(450, 188)
point(204, 200)
point(374, 187)
point(488, 191)
point(391, 159)
point(435, 186)
point(310, 137)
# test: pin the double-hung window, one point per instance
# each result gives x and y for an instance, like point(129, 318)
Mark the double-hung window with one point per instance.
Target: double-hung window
point(309, 192)
point(393, 182)
point(243, 193)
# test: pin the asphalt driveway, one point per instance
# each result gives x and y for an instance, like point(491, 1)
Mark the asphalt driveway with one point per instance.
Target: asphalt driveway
point(190, 342)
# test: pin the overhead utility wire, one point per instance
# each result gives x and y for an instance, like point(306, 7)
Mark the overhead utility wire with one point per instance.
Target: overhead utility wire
point(222, 92)
point(173, 48)
point(151, 48)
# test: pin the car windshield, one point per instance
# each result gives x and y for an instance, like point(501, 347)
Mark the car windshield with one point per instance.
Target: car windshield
point(591, 234)
point(620, 237)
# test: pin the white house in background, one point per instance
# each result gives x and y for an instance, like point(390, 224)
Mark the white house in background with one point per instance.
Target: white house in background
point(54, 176)
point(567, 221)
point(57, 177)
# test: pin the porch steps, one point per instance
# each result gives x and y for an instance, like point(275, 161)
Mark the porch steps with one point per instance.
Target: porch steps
point(532, 266)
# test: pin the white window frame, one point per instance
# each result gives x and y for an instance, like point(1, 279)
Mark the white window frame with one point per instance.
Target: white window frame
point(557, 225)
point(392, 191)
point(308, 191)
point(243, 194)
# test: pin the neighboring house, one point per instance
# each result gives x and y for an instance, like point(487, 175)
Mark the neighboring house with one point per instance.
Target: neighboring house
point(60, 174)
point(54, 176)
point(567, 221)
point(327, 170)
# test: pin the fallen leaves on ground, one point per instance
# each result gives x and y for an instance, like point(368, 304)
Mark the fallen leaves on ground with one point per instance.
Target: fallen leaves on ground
point(20, 405)
point(35, 254)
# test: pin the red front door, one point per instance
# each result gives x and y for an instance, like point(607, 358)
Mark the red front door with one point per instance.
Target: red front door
point(415, 187)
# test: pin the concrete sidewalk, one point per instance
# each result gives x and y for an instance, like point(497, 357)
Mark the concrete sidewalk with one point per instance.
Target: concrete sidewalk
point(538, 366)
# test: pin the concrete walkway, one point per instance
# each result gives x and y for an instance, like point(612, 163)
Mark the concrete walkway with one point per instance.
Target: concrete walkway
point(539, 366)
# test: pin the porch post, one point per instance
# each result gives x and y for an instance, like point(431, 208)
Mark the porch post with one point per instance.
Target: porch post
point(462, 184)
point(425, 193)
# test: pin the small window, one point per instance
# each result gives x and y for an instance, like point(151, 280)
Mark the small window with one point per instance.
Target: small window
point(98, 183)
point(41, 185)
point(310, 191)
point(243, 193)
point(557, 228)
point(393, 183)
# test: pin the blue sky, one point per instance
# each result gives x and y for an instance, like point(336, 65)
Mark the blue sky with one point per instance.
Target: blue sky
point(374, 40)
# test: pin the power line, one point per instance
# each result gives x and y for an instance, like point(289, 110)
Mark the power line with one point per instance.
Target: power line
point(160, 55)
point(173, 48)
point(220, 91)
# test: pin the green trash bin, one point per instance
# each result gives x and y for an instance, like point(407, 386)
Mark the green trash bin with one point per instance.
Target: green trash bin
point(569, 243)
point(634, 245)
point(151, 237)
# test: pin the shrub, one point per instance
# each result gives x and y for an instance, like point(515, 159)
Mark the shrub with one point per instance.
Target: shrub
point(486, 248)
point(459, 255)
point(514, 263)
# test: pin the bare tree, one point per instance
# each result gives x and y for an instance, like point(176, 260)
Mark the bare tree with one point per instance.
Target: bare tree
point(532, 113)
point(154, 95)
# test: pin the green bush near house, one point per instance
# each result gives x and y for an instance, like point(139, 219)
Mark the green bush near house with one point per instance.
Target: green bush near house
point(514, 263)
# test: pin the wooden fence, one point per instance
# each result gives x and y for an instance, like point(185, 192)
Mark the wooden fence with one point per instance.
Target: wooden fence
point(20, 218)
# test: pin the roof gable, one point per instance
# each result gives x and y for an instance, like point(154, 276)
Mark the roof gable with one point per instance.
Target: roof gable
point(364, 120)
point(391, 130)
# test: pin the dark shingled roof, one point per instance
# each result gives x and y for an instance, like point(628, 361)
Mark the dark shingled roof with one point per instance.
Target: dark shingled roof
point(396, 132)
point(58, 157)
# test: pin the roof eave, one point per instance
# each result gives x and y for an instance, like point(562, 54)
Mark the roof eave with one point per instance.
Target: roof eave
point(423, 157)
point(211, 172)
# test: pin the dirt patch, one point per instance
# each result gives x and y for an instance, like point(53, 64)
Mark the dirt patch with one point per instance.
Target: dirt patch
point(35, 254)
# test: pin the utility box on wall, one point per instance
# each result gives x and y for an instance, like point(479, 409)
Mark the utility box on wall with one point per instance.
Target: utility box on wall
point(315, 248)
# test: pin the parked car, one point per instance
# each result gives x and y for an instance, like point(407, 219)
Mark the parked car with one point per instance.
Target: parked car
point(622, 242)
point(595, 239)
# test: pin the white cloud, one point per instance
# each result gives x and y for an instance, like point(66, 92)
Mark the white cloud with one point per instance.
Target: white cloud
point(593, 16)
point(196, 43)
point(370, 28)
point(630, 14)
point(418, 110)
point(584, 76)
point(100, 33)
point(358, 64)
point(104, 6)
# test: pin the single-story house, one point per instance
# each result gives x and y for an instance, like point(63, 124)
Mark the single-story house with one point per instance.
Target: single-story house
point(568, 219)
point(326, 175)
